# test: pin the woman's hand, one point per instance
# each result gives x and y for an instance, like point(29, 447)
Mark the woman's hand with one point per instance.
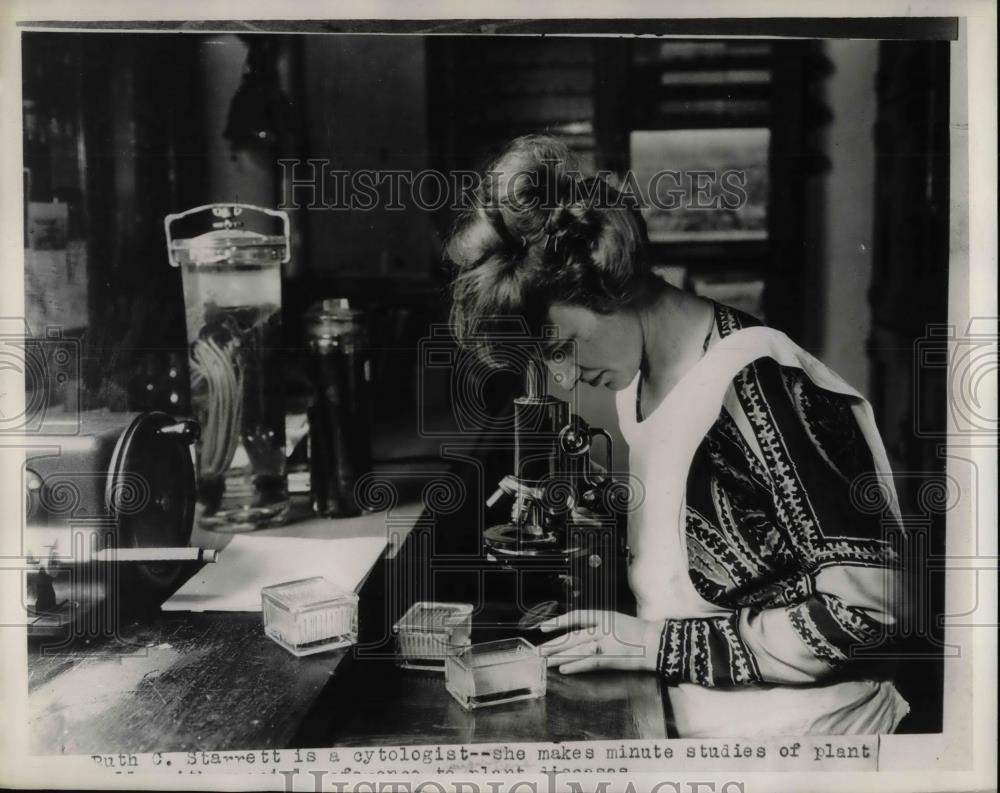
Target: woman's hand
point(601, 640)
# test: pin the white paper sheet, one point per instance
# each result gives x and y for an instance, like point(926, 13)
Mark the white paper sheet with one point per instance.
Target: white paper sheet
point(249, 563)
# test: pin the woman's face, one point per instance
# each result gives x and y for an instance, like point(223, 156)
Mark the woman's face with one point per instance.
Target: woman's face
point(602, 350)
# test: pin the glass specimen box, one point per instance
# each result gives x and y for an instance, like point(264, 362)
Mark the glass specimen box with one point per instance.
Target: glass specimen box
point(310, 616)
point(495, 672)
point(430, 632)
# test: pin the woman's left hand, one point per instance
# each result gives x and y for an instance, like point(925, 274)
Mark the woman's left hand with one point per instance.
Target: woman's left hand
point(601, 640)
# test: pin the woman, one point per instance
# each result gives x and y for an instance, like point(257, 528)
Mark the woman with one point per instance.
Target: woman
point(758, 574)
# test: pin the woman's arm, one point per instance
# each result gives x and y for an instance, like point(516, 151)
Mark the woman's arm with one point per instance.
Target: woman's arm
point(793, 645)
point(849, 609)
point(808, 449)
point(813, 454)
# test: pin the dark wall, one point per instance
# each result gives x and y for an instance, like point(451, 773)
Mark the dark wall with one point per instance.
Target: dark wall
point(136, 153)
point(909, 303)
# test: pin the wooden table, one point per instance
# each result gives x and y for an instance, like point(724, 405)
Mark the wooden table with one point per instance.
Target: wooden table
point(375, 704)
point(173, 682)
point(183, 681)
point(176, 681)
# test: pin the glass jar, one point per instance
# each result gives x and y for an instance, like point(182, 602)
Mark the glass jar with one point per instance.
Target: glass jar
point(339, 415)
point(232, 297)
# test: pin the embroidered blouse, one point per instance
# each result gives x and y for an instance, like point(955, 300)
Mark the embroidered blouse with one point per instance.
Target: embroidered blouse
point(774, 534)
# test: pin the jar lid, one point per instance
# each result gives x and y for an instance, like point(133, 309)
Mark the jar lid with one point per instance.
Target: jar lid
point(307, 594)
point(229, 241)
point(334, 308)
point(434, 617)
point(224, 244)
point(334, 317)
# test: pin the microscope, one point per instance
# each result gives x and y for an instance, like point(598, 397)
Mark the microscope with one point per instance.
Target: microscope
point(563, 540)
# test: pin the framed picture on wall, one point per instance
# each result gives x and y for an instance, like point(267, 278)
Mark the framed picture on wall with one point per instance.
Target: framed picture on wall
point(703, 185)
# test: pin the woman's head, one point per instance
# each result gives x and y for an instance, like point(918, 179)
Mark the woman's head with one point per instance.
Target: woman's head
point(545, 244)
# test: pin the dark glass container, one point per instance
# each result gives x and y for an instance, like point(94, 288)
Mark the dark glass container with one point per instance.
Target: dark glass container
point(340, 412)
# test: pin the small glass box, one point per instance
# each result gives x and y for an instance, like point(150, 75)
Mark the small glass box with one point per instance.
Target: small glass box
point(495, 672)
point(429, 632)
point(310, 616)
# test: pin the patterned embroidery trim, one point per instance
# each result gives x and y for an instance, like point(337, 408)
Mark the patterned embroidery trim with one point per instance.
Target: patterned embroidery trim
point(731, 319)
point(662, 648)
point(744, 665)
point(812, 637)
point(673, 645)
point(802, 588)
point(727, 319)
point(723, 558)
point(737, 568)
point(711, 581)
point(791, 500)
point(855, 552)
point(700, 659)
point(737, 552)
point(852, 621)
point(801, 400)
point(686, 652)
point(796, 383)
point(686, 646)
point(731, 432)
